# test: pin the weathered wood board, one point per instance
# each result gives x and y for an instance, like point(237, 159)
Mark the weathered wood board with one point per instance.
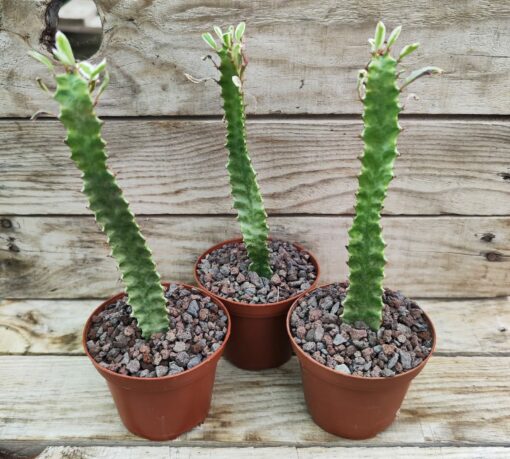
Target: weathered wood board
point(55, 326)
point(67, 257)
point(455, 401)
point(305, 166)
point(447, 216)
point(304, 55)
point(283, 452)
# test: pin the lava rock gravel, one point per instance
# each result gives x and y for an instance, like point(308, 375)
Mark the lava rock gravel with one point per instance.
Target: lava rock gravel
point(197, 329)
point(402, 342)
point(225, 273)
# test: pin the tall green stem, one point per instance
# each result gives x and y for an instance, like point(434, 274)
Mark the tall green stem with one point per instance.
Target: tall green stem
point(380, 94)
point(75, 97)
point(245, 190)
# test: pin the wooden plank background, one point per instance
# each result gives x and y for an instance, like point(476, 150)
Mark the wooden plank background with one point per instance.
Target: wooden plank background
point(446, 219)
point(304, 54)
point(305, 166)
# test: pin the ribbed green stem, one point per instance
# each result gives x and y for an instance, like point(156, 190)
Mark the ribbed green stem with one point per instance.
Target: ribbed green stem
point(366, 245)
point(245, 190)
point(381, 129)
point(143, 284)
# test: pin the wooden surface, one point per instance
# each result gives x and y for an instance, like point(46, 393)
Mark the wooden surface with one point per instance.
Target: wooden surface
point(67, 257)
point(166, 452)
point(447, 216)
point(457, 407)
point(63, 399)
point(305, 166)
point(303, 55)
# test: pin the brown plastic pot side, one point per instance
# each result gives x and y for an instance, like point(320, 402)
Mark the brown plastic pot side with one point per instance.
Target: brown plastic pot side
point(258, 340)
point(351, 406)
point(162, 408)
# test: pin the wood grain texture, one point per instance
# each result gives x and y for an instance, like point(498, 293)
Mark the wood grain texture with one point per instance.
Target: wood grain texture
point(455, 401)
point(304, 165)
point(467, 327)
point(303, 55)
point(67, 257)
point(283, 452)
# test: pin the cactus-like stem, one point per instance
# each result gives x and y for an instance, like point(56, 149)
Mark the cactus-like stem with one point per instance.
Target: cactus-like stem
point(75, 96)
point(381, 128)
point(245, 190)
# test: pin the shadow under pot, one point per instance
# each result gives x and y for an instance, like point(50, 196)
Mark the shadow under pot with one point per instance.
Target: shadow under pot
point(160, 407)
point(258, 340)
point(345, 399)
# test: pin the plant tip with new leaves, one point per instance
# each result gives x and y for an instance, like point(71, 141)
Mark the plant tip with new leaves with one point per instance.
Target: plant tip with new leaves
point(245, 190)
point(76, 95)
point(379, 90)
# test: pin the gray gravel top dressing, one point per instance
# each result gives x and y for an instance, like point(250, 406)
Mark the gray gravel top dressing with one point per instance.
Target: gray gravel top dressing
point(225, 273)
point(197, 329)
point(402, 342)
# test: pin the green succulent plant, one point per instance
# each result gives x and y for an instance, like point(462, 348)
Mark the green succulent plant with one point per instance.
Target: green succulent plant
point(245, 190)
point(379, 89)
point(77, 91)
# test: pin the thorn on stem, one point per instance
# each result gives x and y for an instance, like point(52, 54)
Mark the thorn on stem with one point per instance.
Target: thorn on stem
point(39, 113)
point(196, 80)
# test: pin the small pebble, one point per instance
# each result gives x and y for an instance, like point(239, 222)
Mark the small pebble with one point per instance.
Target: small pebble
point(194, 361)
point(343, 368)
point(161, 370)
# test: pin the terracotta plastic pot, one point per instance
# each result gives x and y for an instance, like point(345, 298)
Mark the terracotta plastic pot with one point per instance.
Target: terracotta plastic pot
point(258, 339)
point(162, 408)
point(352, 406)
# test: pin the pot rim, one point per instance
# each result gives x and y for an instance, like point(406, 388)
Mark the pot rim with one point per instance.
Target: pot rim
point(187, 372)
point(303, 354)
point(291, 299)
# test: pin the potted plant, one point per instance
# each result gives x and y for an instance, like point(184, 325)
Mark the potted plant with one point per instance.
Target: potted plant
point(256, 277)
point(157, 347)
point(359, 345)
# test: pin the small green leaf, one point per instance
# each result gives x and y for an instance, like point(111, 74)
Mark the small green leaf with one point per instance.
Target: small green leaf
point(393, 36)
point(240, 31)
point(64, 48)
point(419, 73)
point(61, 57)
point(98, 69)
point(380, 35)
point(406, 50)
point(41, 58)
point(218, 32)
point(85, 69)
point(208, 38)
point(227, 40)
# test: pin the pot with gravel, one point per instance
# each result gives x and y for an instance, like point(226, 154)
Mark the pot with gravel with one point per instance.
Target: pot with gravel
point(256, 277)
point(157, 347)
point(359, 345)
